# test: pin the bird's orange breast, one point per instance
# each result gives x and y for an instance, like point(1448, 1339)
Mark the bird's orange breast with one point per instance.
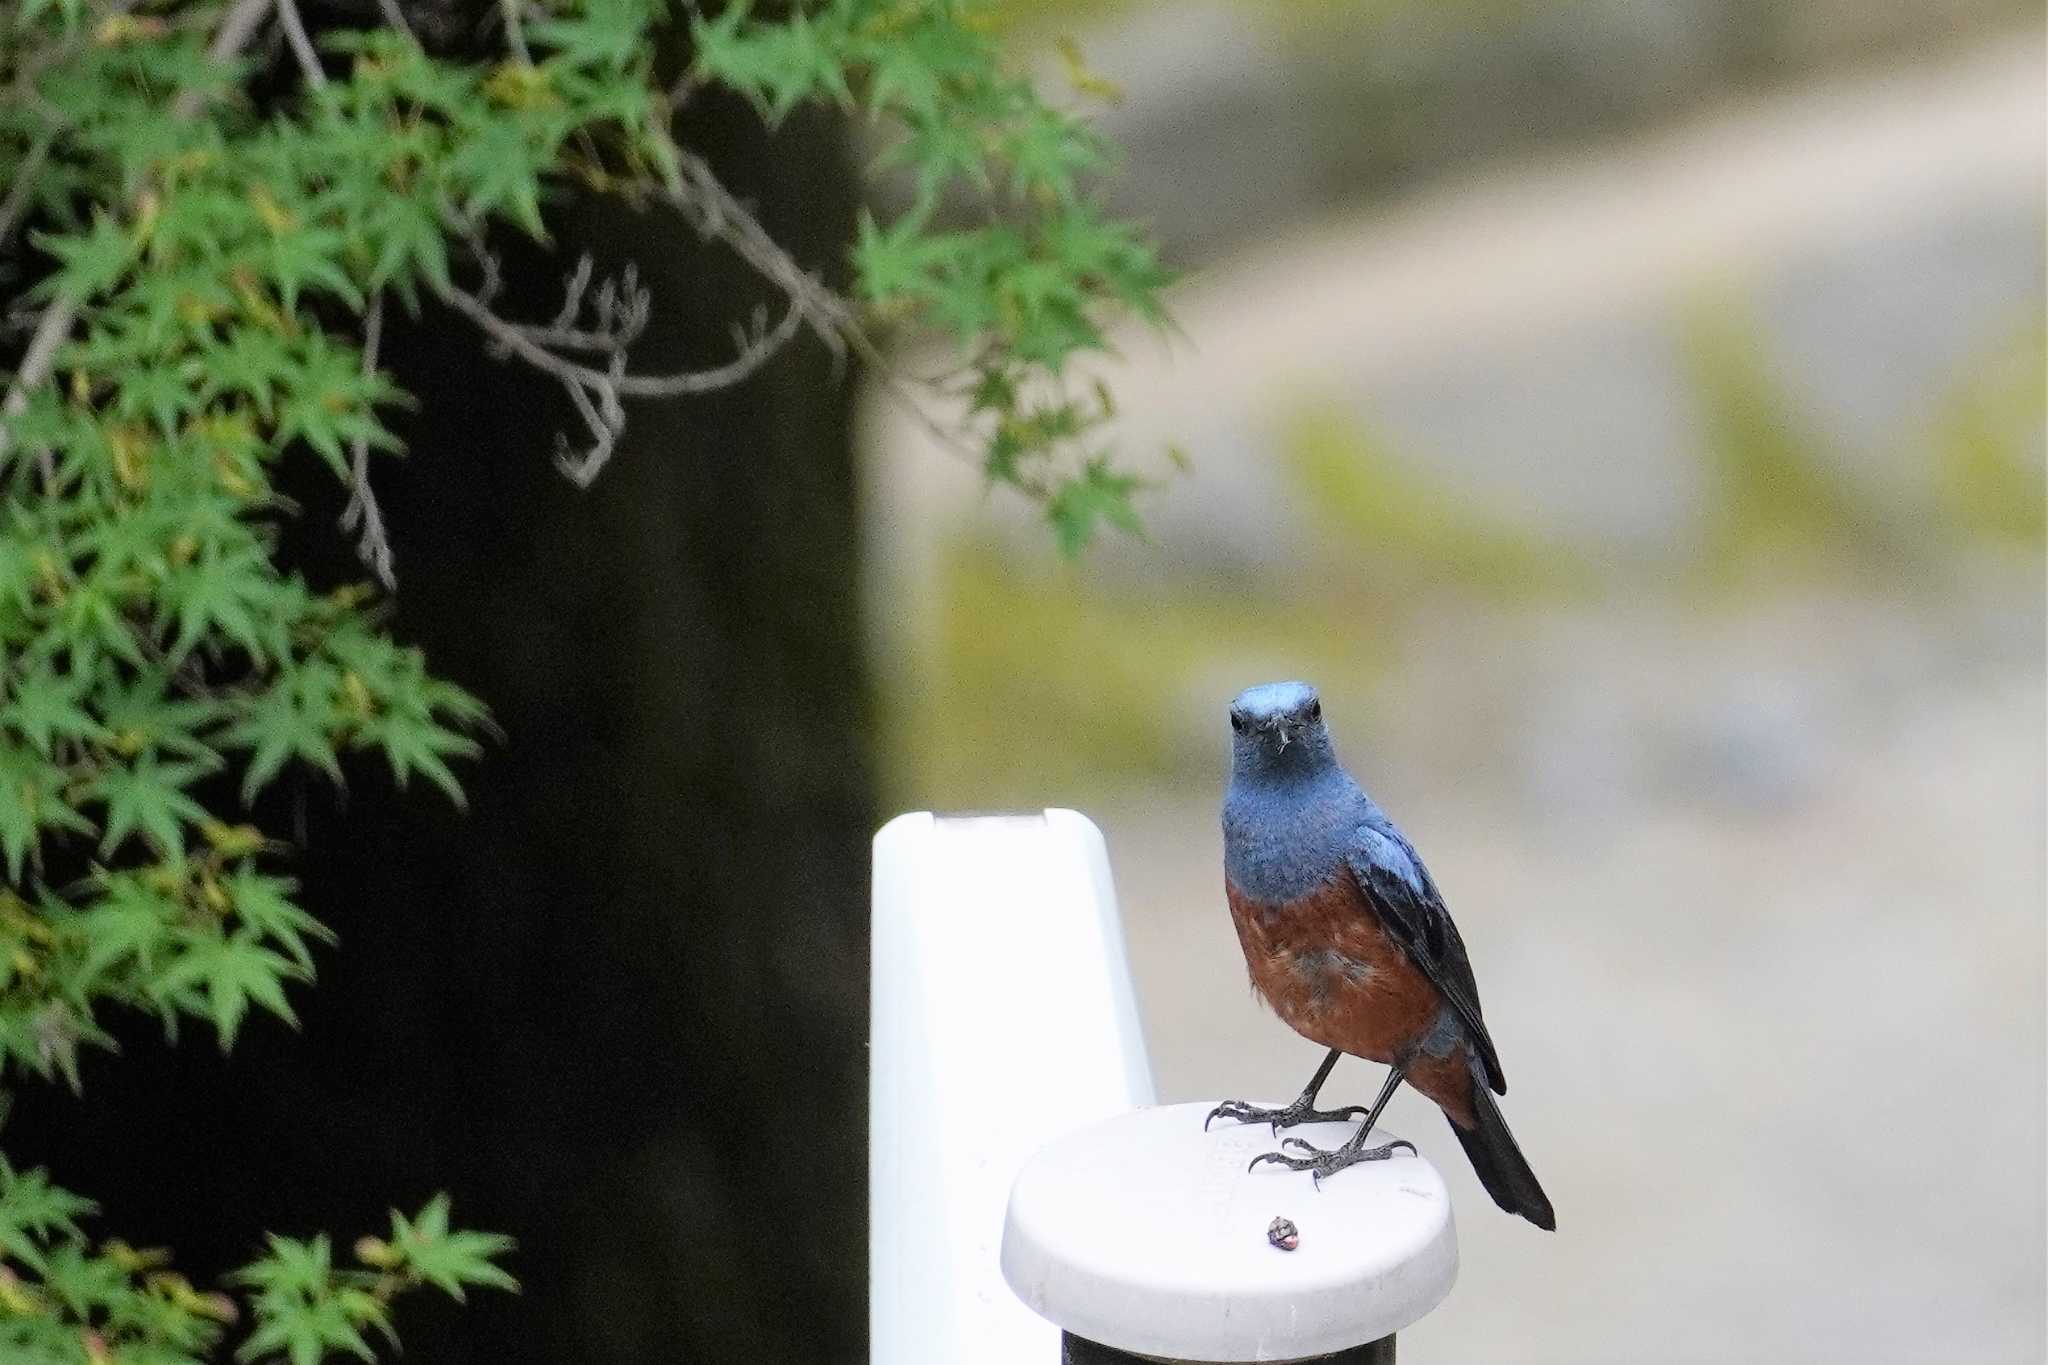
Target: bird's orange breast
point(1328, 968)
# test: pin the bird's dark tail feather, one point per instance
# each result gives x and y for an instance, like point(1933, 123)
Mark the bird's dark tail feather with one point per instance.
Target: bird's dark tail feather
point(1500, 1164)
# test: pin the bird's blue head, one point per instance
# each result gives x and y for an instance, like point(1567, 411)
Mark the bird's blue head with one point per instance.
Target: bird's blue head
point(1277, 730)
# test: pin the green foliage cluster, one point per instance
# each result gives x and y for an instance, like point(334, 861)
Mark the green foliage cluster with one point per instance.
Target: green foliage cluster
point(65, 1299)
point(1022, 293)
point(210, 271)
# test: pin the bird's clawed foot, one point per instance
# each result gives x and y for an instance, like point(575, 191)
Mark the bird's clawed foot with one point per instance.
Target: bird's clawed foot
point(1301, 1111)
point(1321, 1163)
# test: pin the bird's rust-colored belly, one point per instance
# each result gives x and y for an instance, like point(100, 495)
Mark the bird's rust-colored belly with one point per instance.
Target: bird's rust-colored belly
point(1333, 974)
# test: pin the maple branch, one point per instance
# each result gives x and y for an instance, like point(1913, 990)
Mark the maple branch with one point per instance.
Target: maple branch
point(607, 324)
point(16, 203)
point(713, 210)
point(515, 29)
point(301, 45)
point(374, 546)
point(395, 17)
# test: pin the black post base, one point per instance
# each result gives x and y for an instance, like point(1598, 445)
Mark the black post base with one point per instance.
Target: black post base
point(1081, 1351)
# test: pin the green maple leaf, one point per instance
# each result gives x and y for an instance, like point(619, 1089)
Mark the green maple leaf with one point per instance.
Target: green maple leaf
point(500, 173)
point(310, 256)
point(222, 977)
point(295, 718)
point(896, 261)
point(780, 65)
point(33, 1212)
point(197, 221)
point(83, 1282)
point(163, 392)
point(449, 1260)
point(607, 33)
point(142, 711)
point(90, 262)
point(330, 401)
point(917, 70)
point(227, 589)
point(292, 1270)
point(148, 798)
point(1098, 494)
point(31, 802)
point(43, 706)
point(254, 362)
point(1047, 150)
point(415, 743)
point(131, 923)
point(303, 1309)
point(413, 241)
point(264, 904)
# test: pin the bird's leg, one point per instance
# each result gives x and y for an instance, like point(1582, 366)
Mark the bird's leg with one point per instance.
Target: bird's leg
point(1322, 1163)
point(1303, 1110)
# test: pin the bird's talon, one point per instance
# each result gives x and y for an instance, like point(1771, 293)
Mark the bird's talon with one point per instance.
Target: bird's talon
point(1226, 1110)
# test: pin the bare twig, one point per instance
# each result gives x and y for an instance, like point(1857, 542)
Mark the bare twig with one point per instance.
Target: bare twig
point(301, 45)
point(237, 26)
point(530, 342)
point(395, 17)
point(712, 210)
point(607, 326)
point(36, 363)
point(374, 545)
point(16, 203)
point(715, 212)
point(515, 30)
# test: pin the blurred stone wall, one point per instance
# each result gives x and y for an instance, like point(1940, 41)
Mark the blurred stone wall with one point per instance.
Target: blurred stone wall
point(1237, 116)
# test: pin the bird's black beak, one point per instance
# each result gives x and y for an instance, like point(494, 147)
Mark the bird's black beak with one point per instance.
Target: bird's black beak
point(1280, 728)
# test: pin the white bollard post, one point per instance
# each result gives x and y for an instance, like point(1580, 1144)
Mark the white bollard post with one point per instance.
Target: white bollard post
point(1002, 1017)
point(1013, 1146)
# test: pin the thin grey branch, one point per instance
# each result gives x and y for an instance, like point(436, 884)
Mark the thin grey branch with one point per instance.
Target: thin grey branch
point(716, 213)
point(711, 209)
point(36, 363)
point(237, 26)
point(16, 203)
point(513, 337)
point(301, 44)
point(395, 17)
point(604, 324)
point(374, 545)
point(515, 29)
point(605, 419)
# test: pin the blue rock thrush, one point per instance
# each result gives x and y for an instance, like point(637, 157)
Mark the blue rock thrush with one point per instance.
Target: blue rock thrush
point(1348, 940)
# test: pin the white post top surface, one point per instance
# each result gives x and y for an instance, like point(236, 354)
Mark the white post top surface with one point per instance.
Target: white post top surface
point(1145, 1233)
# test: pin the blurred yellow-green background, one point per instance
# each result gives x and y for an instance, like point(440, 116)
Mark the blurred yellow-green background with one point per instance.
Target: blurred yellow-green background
point(1631, 417)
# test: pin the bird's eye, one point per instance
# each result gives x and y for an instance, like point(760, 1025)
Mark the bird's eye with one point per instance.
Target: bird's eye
point(1315, 710)
point(1237, 722)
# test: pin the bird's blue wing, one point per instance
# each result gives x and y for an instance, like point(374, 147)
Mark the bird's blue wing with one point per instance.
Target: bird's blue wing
point(1398, 888)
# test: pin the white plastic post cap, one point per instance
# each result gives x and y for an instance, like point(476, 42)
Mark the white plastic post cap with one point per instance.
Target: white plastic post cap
point(1149, 1235)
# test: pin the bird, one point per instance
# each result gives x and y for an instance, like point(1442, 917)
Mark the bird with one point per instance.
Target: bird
point(1348, 940)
